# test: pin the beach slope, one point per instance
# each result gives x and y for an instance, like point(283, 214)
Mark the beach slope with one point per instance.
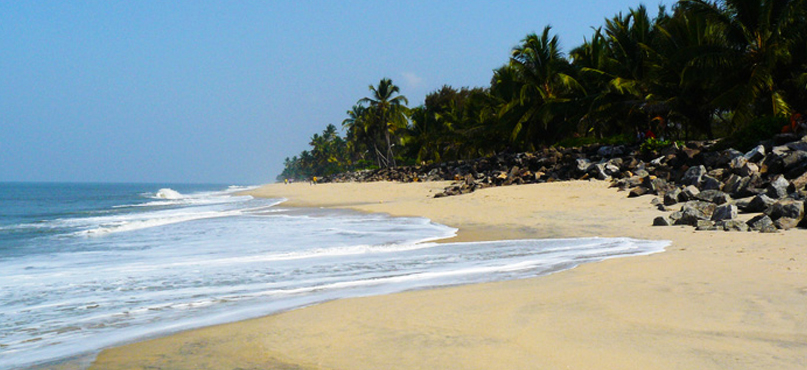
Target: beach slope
point(713, 300)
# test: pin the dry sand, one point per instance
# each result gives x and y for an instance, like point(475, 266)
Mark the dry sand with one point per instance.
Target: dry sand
point(713, 300)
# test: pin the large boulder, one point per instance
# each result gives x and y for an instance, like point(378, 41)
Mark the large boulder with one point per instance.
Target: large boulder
point(778, 187)
point(690, 192)
point(695, 210)
point(713, 196)
point(788, 209)
point(693, 175)
point(761, 223)
point(754, 155)
point(759, 203)
point(725, 212)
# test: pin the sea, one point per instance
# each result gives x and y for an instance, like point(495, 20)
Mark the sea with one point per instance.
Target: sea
point(87, 266)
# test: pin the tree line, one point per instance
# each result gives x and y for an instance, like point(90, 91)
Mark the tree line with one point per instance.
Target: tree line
point(705, 69)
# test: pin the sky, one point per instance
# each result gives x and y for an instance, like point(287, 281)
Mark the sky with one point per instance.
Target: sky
point(222, 91)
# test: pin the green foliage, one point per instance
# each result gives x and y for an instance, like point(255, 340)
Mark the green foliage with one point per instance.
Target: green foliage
point(653, 144)
point(703, 69)
point(751, 135)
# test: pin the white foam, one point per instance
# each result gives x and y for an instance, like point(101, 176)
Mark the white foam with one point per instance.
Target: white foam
point(168, 193)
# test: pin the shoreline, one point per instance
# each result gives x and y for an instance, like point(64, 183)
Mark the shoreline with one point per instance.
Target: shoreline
point(712, 300)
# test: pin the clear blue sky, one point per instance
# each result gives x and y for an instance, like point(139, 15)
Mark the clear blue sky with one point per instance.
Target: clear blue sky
point(223, 91)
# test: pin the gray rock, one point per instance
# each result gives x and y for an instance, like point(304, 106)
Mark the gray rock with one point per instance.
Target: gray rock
point(726, 156)
point(794, 159)
point(786, 223)
point(690, 192)
point(743, 203)
point(655, 185)
point(661, 221)
point(772, 163)
point(748, 169)
point(710, 183)
point(725, 212)
point(734, 225)
point(709, 195)
point(759, 203)
point(582, 164)
point(721, 198)
point(705, 225)
point(786, 208)
point(760, 222)
point(778, 187)
point(608, 151)
point(754, 155)
point(737, 163)
point(675, 217)
point(693, 175)
point(637, 192)
point(671, 197)
point(695, 210)
point(800, 145)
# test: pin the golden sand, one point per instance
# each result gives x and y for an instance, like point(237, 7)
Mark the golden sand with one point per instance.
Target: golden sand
point(713, 300)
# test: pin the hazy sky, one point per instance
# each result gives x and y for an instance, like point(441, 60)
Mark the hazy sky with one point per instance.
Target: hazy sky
point(223, 91)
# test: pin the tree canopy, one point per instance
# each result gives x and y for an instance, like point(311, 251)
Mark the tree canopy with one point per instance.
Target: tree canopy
point(705, 69)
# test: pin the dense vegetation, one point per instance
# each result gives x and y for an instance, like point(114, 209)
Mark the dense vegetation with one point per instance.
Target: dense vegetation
point(731, 68)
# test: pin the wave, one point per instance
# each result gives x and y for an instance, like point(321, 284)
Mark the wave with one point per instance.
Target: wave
point(168, 193)
point(144, 223)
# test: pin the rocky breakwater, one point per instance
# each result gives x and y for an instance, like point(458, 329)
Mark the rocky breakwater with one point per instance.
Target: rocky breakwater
point(720, 190)
point(693, 184)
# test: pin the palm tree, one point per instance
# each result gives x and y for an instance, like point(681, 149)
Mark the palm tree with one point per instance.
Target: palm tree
point(390, 111)
point(758, 35)
point(547, 85)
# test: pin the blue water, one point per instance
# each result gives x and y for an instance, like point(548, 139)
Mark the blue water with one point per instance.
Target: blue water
point(86, 266)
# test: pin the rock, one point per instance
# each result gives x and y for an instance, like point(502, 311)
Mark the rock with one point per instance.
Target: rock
point(671, 197)
point(737, 163)
point(710, 195)
point(582, 165)
point(760, 222)
point(743, 203)
point(759, 203)
point(695, 210)
point(638, 191)
point(689, 193)
point(655, 185)
point(607, 151)
point(675, 217)
point(725, 212)
point(754, 155)
point(710, 183)
point(748, 169)
point(786, 223)
point(661, 221)
point(794, 159)
point(723, 158)
point(734, 225)
point(778, 187)
point(705, 225)
point(786, 208)
point(772, 163)
point(693, 175)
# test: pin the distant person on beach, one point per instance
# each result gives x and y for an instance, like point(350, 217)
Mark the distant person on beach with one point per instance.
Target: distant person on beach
point(286, 181)
point(314, 180)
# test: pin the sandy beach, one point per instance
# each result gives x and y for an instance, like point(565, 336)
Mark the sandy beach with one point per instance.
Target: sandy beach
point(713, 300)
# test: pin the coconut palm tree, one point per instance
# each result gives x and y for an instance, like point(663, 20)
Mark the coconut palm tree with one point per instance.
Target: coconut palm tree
point(546, 86)
point(759, 35)
point(390, 111)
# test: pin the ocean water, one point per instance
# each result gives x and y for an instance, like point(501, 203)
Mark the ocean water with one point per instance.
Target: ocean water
point(86, 266)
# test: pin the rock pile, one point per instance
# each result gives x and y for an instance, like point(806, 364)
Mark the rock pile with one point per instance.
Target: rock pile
point(697, 185)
